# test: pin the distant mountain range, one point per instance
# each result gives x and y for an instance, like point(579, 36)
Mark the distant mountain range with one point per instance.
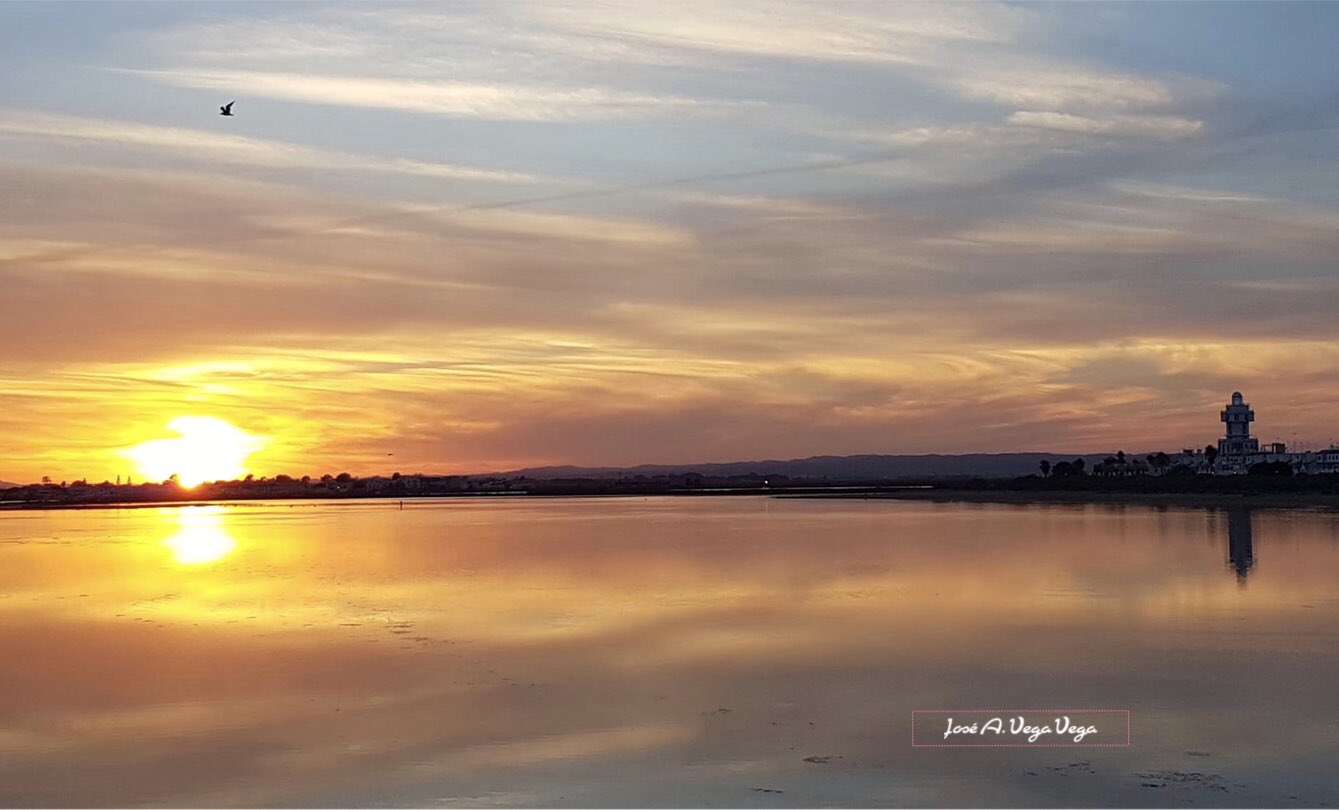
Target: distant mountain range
point(859, 468)
point(869, 467)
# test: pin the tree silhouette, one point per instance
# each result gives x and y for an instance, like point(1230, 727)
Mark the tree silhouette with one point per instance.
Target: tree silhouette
point(1045, 468)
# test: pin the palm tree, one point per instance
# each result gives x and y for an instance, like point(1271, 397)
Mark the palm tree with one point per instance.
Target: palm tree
point(1045, 468)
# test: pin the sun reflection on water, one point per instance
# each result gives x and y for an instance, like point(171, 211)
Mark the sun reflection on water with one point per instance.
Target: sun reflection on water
point(286, 653)
point(200, 537)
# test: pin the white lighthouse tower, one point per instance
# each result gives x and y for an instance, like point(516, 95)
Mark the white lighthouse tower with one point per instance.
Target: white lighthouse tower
point(1238, 441)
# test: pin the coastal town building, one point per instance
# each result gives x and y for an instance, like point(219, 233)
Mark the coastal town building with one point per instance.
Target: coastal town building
point(1238, 446)
point(1326, 462)
point(1238, 451)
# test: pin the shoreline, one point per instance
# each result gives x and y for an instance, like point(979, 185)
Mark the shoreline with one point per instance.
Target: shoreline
point(818, 492)
point(1202, 500)
point(1264, 500)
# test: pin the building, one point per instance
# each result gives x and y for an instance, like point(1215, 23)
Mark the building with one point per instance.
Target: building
point(1325, 462)
point(1238, 445)
point(1239, 451)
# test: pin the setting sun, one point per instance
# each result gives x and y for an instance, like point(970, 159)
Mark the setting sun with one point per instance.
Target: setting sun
point(206, 449)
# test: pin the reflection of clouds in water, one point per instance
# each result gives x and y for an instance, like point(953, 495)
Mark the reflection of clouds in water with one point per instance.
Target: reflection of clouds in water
point(526, 652)
point(201, 536)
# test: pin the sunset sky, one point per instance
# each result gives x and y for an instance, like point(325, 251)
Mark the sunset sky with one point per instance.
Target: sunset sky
point(487, 235)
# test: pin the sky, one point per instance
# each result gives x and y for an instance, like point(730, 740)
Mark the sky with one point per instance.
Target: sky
point(475, 236)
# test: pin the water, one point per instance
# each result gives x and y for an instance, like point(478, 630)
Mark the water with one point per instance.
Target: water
point(661, 652)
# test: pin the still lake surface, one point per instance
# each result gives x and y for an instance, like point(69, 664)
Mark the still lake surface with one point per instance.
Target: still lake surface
point(661, 652)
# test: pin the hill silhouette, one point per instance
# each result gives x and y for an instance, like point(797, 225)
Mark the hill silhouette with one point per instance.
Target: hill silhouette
point(862, 467)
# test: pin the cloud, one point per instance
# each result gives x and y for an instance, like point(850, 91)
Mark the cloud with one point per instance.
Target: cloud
point(567, 226)
point(841, 31)
point(770, 229)
point(542, 62)
point(976, 52)
point(450, 99)
point(234, 149)
point(1070, 237)
point(1057, 86)
point(1156, 126)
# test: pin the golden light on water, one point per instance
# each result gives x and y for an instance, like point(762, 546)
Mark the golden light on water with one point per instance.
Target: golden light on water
point(205, 449)
point(201, 537)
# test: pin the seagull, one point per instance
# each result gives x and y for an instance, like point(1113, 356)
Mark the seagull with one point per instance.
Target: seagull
point(226, 109)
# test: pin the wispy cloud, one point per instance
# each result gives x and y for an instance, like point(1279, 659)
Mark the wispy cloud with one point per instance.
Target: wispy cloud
point(1155, 126)
point(889, 227)
point(842, 31)
point(235, 149)
point(1057, 86)
point(453, 99)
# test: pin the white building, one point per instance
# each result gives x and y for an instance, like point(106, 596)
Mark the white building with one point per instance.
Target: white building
point(1238, 450)
point(1235, 448)
point(1325, 462)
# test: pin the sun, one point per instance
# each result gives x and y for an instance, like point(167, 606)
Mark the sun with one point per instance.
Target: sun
point(206, 449)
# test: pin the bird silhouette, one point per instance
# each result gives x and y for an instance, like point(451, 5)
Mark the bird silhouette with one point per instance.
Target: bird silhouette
point(226, 109)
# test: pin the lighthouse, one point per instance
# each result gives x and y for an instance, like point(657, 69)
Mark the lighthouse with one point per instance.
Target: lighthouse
point(1238, 441)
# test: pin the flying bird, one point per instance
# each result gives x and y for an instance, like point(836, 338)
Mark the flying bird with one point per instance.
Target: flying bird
point(226, 109)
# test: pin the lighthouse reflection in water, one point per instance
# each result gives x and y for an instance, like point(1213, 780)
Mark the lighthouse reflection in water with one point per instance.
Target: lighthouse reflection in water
point(1240, 545)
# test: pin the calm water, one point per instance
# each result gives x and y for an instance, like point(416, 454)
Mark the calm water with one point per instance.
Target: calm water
point(690, 651)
